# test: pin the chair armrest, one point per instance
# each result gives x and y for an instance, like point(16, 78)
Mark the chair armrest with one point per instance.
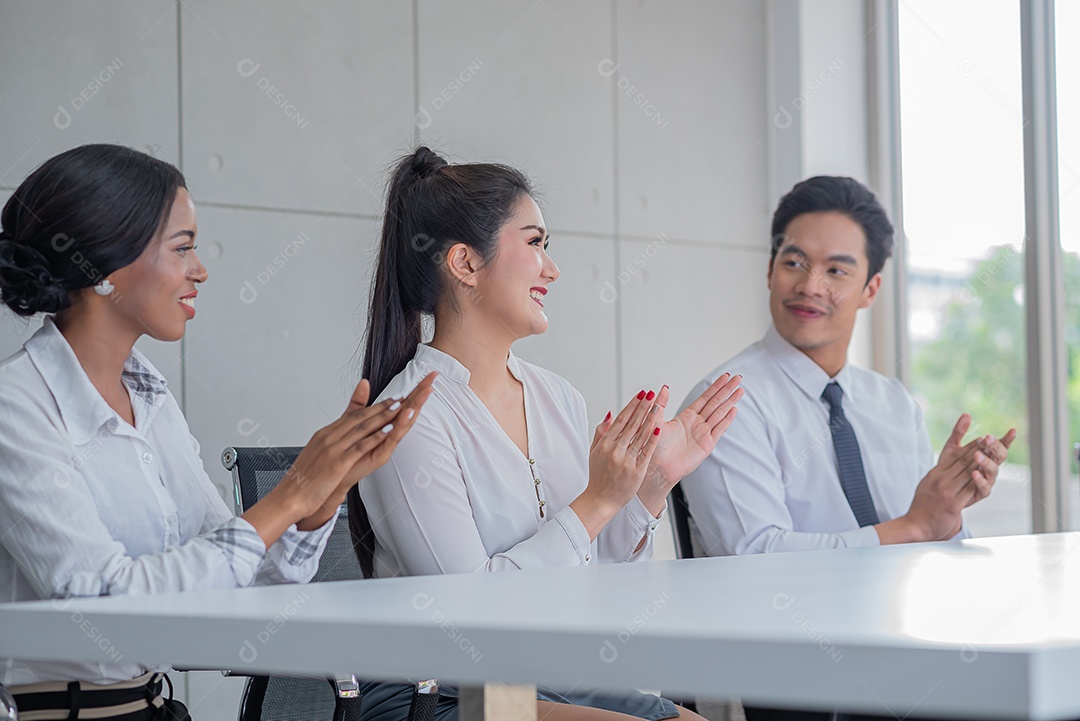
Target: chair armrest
point(8, 710)
point(345, 685)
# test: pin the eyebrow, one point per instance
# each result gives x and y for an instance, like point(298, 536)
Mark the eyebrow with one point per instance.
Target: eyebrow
point(838, 258)
point(535, 227)
point(188, 233)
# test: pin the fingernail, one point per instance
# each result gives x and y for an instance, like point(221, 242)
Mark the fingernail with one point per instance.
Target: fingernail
point(410, 413)
point(664, 386)
point(395, 405)
point(641, 395)
point(388, 427)
point(650, 395)
point(607, 417)
point(656, 431)
point(991, 438)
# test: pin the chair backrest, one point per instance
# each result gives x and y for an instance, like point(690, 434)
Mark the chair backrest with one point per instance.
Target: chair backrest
point(290, 698)
point(255, 472)
point(681, 523)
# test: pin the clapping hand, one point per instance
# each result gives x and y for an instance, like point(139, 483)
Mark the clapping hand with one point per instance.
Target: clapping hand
point(688, 438)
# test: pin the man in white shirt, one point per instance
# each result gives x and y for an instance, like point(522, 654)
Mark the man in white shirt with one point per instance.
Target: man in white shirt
point(825, 454)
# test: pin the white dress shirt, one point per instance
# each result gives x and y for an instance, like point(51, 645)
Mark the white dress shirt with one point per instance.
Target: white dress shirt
point(91, 506)
point(772, 484)
point(458, 496)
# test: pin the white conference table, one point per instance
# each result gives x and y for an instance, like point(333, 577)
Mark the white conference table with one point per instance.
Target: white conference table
point(980, 629)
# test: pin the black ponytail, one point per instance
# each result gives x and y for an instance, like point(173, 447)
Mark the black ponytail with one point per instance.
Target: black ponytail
point(430, 206)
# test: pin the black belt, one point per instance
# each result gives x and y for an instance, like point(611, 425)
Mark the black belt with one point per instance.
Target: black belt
point(81, 700)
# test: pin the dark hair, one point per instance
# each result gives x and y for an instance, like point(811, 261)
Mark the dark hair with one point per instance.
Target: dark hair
point(80, 216)
point(826, 193)
point(431, 205)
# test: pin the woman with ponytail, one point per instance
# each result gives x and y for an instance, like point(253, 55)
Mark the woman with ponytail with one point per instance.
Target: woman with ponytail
point(502, 472)
point(102, 491)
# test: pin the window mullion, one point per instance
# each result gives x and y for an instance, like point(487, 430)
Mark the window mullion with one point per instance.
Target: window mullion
point(1044, 285)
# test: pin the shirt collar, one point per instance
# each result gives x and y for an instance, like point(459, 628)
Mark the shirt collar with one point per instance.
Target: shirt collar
point(803, 372)
point(451, 368)
point(82, 408)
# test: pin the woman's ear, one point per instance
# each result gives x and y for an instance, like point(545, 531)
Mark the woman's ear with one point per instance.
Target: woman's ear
point(463, 262)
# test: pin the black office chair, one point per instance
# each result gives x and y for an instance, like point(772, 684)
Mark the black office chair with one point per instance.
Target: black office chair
point(680, 520)
point(8, 710)
point(255, 472)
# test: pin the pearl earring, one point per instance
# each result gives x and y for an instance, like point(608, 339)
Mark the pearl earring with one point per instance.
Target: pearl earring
point(103, 288)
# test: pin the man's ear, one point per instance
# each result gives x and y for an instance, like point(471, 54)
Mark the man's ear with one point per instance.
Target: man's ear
point(462, 262)
point(870, 291)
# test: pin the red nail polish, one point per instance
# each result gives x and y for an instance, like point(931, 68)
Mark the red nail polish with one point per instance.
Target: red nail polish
point(607, 417)
point(641, 395)
point(656, 431)
point(664, 386)
point(650, 396)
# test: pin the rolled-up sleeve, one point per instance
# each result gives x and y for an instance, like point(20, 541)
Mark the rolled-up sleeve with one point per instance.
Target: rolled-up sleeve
point(293, 558)
point(51, 527)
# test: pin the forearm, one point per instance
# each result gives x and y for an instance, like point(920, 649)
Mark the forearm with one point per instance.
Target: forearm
point(274, 514)
point(775, 540)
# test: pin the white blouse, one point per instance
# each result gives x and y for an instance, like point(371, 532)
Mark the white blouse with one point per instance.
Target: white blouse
point(91, 506)
point(458, 496)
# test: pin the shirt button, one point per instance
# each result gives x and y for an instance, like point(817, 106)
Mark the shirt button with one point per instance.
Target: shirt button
point(587, 557)
point(148, 457)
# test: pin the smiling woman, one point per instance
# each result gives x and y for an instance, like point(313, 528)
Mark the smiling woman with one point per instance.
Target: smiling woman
point(102, 491)
point(500, 473)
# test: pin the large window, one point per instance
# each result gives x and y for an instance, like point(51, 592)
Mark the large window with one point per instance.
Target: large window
point(961, 127)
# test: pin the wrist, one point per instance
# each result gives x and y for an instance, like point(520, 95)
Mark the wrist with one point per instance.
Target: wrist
point(654, 500)
point(594, 512)
point(290, 503)
point(316, 520)
point(656, 477)
point(904, 529)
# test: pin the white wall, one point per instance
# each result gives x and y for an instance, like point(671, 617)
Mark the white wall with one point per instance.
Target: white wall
point(648, 126)
point(819, 105)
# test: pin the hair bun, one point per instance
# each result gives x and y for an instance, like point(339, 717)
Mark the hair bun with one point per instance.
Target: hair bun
point(27, 286)
point(426, 161)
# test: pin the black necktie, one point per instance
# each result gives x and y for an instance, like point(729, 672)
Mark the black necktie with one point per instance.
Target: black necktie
point(849, 459)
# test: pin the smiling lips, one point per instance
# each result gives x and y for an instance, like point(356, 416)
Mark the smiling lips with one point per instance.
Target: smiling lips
point(188, 301)
point(804, 312)
point(538, 294)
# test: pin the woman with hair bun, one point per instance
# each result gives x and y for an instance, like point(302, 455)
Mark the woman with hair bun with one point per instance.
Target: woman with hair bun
point(102, 491)
point(502, 472)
